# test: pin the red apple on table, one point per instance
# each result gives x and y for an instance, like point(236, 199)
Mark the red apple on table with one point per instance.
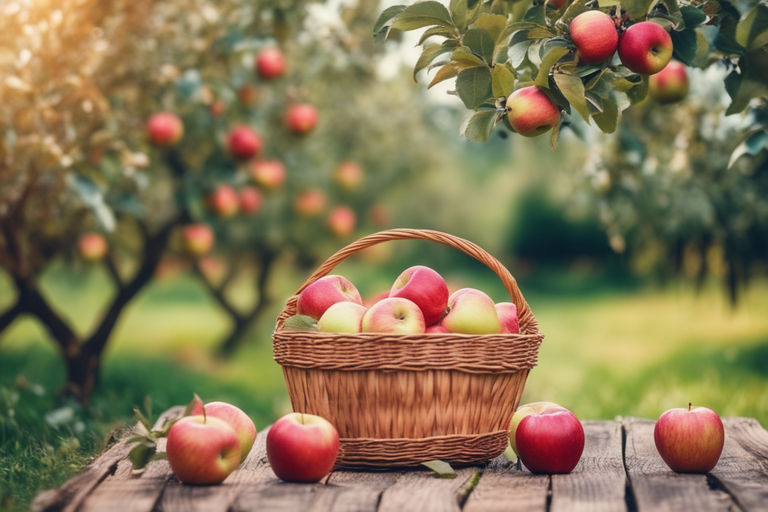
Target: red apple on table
point(268, 174)
point(202, 450)
point(198, 239)
point(507, 312)
point(471, 311)
point(250, 200)
point(323, 293)
point(690, 440)
point(523, 411)
point(348, 176)
point(235, 417)
point(224, 201)
point(301, 118)
point(270, 63)
point(595, 37)
point(243, 143)
point(342, 221)
point(302, 447)
point(670, 84)
point(248, 95)
point(394, 315)
point(426, 288)
point(645, 48)
point(164, 129)
point(310, 202)
point(531, 112)
point(345, 316)
point(92, 246)
point(550, 440)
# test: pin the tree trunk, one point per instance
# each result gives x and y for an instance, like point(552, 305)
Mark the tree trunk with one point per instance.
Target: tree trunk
point(83, 371)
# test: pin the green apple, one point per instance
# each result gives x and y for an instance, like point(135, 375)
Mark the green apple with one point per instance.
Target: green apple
point(471, 311)
point(344, 316)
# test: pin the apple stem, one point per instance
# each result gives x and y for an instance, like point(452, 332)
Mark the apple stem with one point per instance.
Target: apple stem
point(689, 406)
point(205, 416)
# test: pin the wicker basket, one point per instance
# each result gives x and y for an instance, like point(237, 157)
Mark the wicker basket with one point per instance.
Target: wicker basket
point(399, 400)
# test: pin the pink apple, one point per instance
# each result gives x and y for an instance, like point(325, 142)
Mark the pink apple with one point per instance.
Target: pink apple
point(507, 312)
point(248, 95)
point(301, 119)
point(426, 288)
point(550, 441)
point(198, 239)
point(270, 63)
point(670, 84)
point(224, 201)
point(302, 447)
point(345, 316)
point(268, 174)
point(235, 417)
point(243, 143)
point(250, 200)
point(595, 37)
point(164, 129)
point(645, 48)
point(323, 293)
point(394, 315)
point(531, 112)
point(523, 411)
point(348, 176)
point(342, 221)
point(202, 450)
point(471, 311)
point(436, 328)
point(689, 440)
point(310, 202)
point(92, 246)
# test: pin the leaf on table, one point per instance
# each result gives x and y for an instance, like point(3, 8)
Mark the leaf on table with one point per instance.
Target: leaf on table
point(441, 469)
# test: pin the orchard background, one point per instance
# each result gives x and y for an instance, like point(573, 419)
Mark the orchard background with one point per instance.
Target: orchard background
point(641, 242)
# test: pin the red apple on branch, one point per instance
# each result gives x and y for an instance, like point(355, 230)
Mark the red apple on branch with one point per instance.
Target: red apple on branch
point(302, 447)
point(670, 84)
point(243, 143)
point(550, 441)
point(247, 95)
point(394, 315)
point(531, 112)
point(690, 440)
point(645, 48)
point(164, 129)
point(270, 63)
point(235, 417)
point(426, 288)
point(268, 174)
point(595, 37)
point(323, 293)
point(224, 201)
point(301, 118)
point(198, 239)
point(348, 176)
point(92, 246)
point(310, 202)
point(250, 200)
point(202, 450)
point(342, 221)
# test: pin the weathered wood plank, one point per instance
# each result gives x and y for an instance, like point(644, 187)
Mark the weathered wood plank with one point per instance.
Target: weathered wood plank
point(362, 490)
point(419, 490)
point(505, 486)
point(133, 495)
point(598, 482)
point(655, 486)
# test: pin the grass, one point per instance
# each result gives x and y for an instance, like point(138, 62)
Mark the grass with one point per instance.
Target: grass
point(611, 349)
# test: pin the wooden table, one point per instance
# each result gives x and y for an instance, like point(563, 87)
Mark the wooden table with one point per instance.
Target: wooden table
point(620, 470)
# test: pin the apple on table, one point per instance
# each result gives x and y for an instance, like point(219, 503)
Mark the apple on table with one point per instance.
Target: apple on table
point(689, 440)
point(202, 449)
point(302, 447)
point(235, 417)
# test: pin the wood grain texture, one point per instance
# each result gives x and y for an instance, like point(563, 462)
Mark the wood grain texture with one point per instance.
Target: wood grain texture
point(505, 486)
point(419, 490)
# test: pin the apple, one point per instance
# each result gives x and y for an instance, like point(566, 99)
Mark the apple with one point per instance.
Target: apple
point(235, 417)
point(323, 293)
point(250, 200)
point(164, 129)
point(379, 215)
point(301, 118)
point(268, 174)
point(523, 411)
point(471, 311)
point(243, 143)
point(198, 239)
point(302, 447)
point(395, 315)
point(550, 441)
point(645, 48)
point(202, 449)
point(217, 108)
point(344, 316)
point(224, 201)
point(531, 112)
point(436, 328)
point(310, 202)
point(92, 246)
point(507, 312)
point(342, 221)
point(348, 176)
point(426, 288)
point(595, 37)
point(248, 95)
point(670, 84)
point(270, 63)
point(689, 440)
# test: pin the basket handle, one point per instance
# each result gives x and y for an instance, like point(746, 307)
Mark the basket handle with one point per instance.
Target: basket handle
point(528, 323)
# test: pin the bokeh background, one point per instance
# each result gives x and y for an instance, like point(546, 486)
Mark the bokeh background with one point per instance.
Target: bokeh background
point(643, 253)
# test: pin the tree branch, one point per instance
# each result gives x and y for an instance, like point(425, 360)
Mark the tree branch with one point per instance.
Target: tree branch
point(114, 273)
point(219, 292)
point(9, 315)
point(36, 304)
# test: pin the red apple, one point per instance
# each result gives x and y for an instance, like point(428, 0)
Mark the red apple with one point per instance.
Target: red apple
point(248, 95)
point(310, 202)
point(323, 293)
point(243, 143)
point(302, 447)
point(202, 450)
point(523, 411)
point(507, 312)
point(645, 48)
point(250, 200)
point(345, 316)
point(224, 201)
point(471, 311)
point(595, 37)
point(531, 112)
point(235, 417)
point(198, 239)
point(164, 129)
point(348, 176)
point(689, 440)
point(342, 221)
point(270, 63)
point(92, 246)
point(395, 315)
point(301, 119)
point(670, 84)
point(268, 174)
point(436, 328)
point(426, 288)
point(550, 440)
point(217, 108)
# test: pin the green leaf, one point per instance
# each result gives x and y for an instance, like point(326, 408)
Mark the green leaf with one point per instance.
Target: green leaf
point(459, 12)
point(754, 144)
point(494, 24)
point(725, 41)
point(444, 73)
point(502, 81)
point(90, 195)
point(441, 469)
point(519, 9)
point(741, 90)
point(540, 32)
point(480, 42)
point(430, 53)
point(674, 10)
point(640, 91)
point(692, 16)
point(752, 23)
point(607, 3)
point(141, 454)
point(636, 8)
point(479, 126)
point(685, 43)
point(436, 31)
point(386, 16)
point(577, 7)
point(142, 419)
point(423, 14)
point(474, 86)
point(537, 14)
point(608, 118)
point(464, 58)
point(301, 323)
point(517, 53)
point(549, 60)
point(572, 88)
